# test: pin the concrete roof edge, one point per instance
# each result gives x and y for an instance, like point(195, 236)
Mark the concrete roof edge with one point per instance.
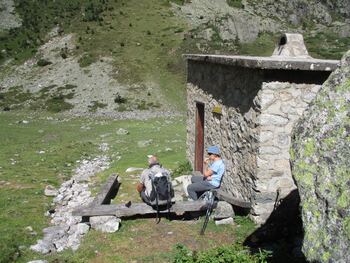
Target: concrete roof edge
point(273, 62)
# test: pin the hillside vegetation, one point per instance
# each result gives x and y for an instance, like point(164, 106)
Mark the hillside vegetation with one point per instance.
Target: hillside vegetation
point(143, 42)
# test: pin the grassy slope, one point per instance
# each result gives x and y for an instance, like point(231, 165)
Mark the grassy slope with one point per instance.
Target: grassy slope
point(140, 35)
point(145, 39)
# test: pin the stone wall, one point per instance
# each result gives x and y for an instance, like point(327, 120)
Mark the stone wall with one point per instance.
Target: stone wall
point(254, 129)
point(235, 129)
point(281, 105)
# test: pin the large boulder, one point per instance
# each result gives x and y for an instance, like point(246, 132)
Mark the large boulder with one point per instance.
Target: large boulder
point(320, 158)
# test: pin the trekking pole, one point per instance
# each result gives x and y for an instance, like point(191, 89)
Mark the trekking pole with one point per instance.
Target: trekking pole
point(210, 204)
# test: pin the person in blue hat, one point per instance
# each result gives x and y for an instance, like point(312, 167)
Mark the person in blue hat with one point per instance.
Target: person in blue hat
point(214, 169)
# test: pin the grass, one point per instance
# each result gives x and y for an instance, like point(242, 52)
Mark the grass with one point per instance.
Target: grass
point(327, 45)
point(235, 3)
point(50, 98)
point(262, 46)
point(26, 170)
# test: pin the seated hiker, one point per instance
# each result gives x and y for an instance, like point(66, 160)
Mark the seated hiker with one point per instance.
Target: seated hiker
point(160, 188)
point(214, 169)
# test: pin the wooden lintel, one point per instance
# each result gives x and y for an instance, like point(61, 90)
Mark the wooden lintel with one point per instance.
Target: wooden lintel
point(121, 210)
point(232, 200)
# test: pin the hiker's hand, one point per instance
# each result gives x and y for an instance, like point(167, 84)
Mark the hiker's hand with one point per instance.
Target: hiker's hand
point(139, 187)
point(206, 160)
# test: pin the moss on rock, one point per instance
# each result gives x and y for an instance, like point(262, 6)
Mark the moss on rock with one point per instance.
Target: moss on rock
point(320, 158)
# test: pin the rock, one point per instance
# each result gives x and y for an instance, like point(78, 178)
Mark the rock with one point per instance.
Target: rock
point(108, 224)
point(133, 169)
point(185, 180)
point(144, 143)
point(122, 131)
point(104, 147)
point(225, 221)
point(320, 158)
point(43, 247)
point(38, 261)
point(29, 229)
point(50, 191)
point(223, 210)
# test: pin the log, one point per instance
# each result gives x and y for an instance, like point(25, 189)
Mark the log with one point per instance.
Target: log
point(121, 210)
point(108, 191)
point(232, 200)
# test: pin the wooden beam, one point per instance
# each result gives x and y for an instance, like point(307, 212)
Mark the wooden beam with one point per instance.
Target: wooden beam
point(108, 191)
point(120, 210)
point(232, 200)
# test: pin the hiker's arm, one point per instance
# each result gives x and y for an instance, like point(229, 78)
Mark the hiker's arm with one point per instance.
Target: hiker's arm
point(207, 171)
point(139, 187)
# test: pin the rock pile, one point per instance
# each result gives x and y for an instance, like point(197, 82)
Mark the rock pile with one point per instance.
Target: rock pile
point(67, 230)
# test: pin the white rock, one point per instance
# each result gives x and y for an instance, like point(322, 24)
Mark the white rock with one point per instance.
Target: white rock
point(225, 221)
point(38, 261)
point(133, 169)
point(122, 131)
point(144, 143)
point(108, 224)
point(42, 247)
point(50, 191)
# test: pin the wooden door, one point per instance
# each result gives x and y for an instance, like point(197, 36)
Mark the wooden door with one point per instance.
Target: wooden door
point(199, 140)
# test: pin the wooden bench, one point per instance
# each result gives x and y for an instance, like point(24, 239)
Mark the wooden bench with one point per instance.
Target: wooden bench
point(101, 206)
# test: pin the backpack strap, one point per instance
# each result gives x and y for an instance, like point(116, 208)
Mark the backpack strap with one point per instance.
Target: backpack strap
point(157, 197)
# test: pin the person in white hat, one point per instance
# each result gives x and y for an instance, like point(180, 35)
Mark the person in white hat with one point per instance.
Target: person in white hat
point(214, 169)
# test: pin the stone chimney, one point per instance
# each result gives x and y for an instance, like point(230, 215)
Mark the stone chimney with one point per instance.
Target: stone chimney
point(291, 46)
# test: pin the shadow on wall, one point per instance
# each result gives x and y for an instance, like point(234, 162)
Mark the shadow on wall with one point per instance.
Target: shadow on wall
point(235, 87)
point(282, 234)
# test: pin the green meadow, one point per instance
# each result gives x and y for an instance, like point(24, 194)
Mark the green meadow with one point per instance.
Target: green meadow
point(38, 149)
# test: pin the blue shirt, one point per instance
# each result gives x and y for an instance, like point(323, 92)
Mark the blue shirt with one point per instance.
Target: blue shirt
point(218, 168)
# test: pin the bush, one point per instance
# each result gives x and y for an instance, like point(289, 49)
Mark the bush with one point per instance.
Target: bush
point(119, 99)
point(182, 169)
point(230, 253)
point(95, 105)
point(43, 62)
point(58, 104)
point(86, 60)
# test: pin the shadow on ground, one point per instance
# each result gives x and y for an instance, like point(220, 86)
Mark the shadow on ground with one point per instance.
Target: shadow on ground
point(282, 234)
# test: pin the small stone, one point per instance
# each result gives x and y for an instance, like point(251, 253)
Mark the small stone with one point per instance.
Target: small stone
point(50, 191)
point(144, 143)
point(133, 169)
point(122, 131)
point(225, 221)
point(29, 229)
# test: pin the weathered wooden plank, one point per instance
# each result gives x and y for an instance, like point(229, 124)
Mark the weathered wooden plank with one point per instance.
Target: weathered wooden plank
point(120, 210)
point(108, 191)
point(232, 200)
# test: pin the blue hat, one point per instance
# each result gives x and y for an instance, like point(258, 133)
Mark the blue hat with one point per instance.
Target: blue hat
point(214, 149)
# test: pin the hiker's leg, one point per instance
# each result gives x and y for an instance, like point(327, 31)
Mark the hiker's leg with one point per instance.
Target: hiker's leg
point(197, 179)
point(195, 188)
point(190, 189)
point(144, 197)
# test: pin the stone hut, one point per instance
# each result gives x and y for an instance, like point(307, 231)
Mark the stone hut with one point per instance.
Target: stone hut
point(248, 106)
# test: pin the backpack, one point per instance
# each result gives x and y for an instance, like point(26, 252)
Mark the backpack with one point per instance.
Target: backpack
point(162, 190)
